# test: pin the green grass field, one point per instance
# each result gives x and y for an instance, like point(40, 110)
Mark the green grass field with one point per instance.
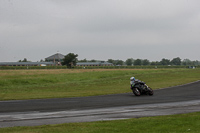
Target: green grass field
point(32, 84)
point(57, 83)
point(182, 123)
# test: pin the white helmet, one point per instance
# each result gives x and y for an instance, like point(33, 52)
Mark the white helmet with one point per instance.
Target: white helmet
point(132, 78)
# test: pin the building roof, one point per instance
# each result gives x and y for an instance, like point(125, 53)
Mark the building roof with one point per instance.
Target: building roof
point(88, 63)
point(93, 63)
point(57, 56)
point(25, 63)
point(106, 63)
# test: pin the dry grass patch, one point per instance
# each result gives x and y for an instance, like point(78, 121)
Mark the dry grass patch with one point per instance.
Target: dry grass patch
point(55, 71)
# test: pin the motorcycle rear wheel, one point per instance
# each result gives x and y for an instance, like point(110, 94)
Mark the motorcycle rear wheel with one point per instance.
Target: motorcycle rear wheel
point(136, 92)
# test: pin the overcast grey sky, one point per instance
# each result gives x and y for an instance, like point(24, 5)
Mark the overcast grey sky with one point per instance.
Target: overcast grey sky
point(100, 29)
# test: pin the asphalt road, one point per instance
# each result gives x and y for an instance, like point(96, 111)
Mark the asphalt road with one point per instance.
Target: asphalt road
point(173, 100)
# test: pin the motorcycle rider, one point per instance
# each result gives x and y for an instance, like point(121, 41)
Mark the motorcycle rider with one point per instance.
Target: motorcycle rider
point(132, 82)
point(143, 88)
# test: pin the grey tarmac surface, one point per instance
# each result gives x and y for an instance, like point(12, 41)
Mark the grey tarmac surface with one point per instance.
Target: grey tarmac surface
point(173, 100)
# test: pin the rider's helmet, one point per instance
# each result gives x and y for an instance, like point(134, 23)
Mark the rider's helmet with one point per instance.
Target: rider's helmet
point(132, 78)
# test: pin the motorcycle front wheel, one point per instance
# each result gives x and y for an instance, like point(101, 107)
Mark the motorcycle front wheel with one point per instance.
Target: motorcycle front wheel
point(136, 92)
point(150, 91)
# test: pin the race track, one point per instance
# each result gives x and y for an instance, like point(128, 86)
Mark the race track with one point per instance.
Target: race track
point(173, 100)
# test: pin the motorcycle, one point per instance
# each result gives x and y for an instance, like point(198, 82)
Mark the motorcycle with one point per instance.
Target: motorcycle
point(140, 88)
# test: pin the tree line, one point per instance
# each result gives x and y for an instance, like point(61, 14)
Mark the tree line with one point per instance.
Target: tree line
point(175, 61)
point(71, 60)
point(145, 62)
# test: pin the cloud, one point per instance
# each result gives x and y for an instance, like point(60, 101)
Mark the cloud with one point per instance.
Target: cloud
point(109, 25)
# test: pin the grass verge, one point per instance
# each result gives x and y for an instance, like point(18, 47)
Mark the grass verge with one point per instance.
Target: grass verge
point(57, 83)
point(181, 123)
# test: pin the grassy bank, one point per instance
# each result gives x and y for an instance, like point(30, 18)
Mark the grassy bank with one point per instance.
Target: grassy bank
point(56, 83)
point(89, 67)
point(160, 124)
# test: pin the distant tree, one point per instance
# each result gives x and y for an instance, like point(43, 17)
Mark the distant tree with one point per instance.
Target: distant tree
point(176, 61)
point(119, 62)
point(154, 63)
point(24, 60)
point(129, 62)
point(111, 61)
point(93, 60)
point(84, 60)
point(145, 62)
point(196, 63)
point(165, 62)
point(187, 62)
point(138, 62)
point(70, 60)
